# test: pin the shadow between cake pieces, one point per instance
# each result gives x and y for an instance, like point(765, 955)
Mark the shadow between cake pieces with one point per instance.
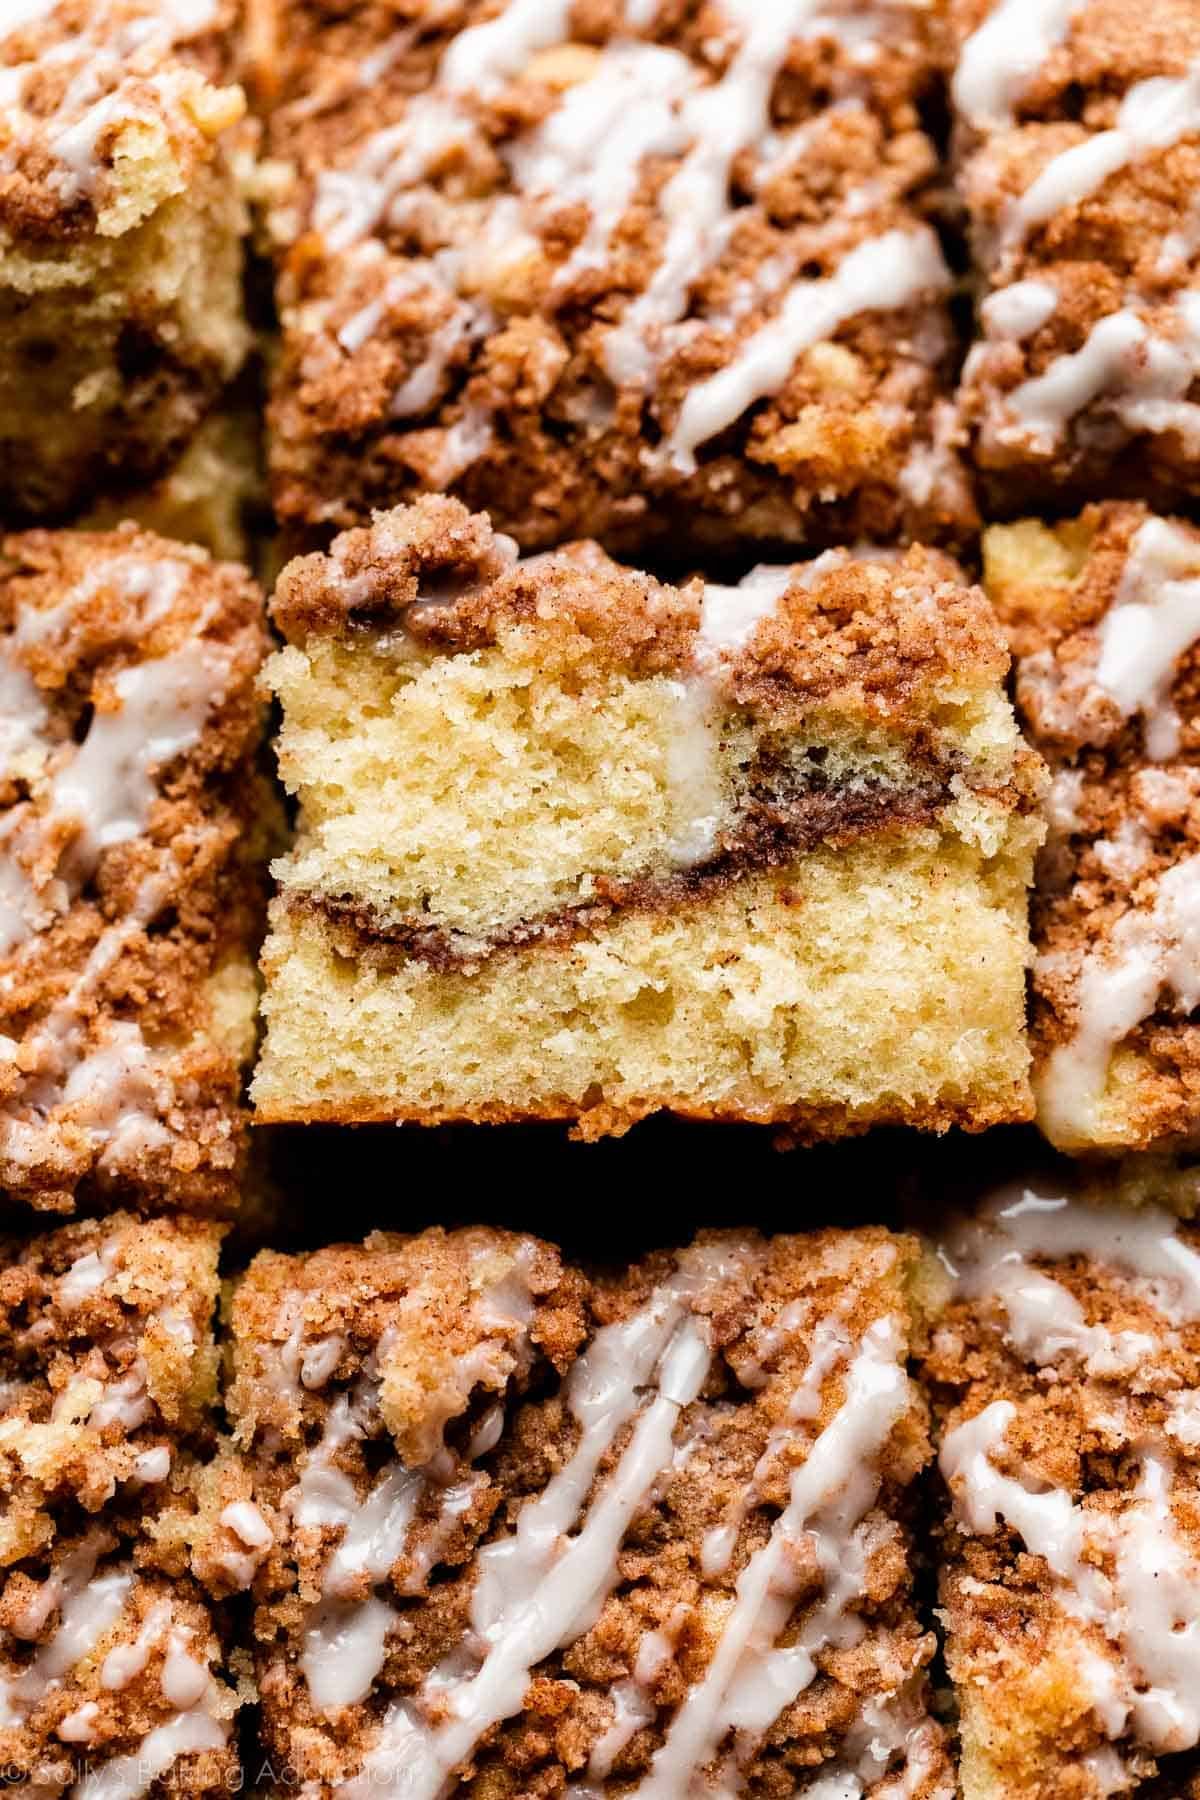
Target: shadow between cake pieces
point(135, 825)
point(122, 137)
point(601, 270)
point(1103, 613)
point(542, 1532)
point(1063, 1369)
point(574, 844)
point(1078, 149)
point(117, 1677)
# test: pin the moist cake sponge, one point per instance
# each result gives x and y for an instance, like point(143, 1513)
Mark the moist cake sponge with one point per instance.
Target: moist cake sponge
point(538, 1532)
point(1064, 1373)
point(613, 276)
point(575, 844)
point(134, 828)
point(121, 226)
point(1104, 616)
point(113, 1669)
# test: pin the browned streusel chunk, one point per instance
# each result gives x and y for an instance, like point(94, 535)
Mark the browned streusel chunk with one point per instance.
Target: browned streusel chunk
point(1079, 130)
point(612, 271)
point(632, 1532)
point(121, 228)
point(1104, 617)
point(133, 825)
point(110, 1658)
point(1064, 1371)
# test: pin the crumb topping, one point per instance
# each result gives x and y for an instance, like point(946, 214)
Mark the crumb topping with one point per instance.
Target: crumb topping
point(1106, 678)
point(557, 236)
point(1065, 1368)
point(1083, 218)
point(597, 1573)
point(873, 630)
point(91, 93)
point(127, 881)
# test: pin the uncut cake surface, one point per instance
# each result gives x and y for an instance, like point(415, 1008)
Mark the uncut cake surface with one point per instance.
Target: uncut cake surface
point(604, 270)
point(1078, 141)
point(114, 1671)
point(1103, 612)
point(121, 226)
point(540, 1532)
point(1064, 1373)
point(134, 828)
point(576, 844)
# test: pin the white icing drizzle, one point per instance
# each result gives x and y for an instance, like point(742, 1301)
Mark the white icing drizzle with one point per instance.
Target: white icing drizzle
point(23, 718)
point(1142, 376)
point(751, 1678)
point(592, 146)
point(542, 1585)
point(128, 1777)
point(1119, 984)
point(244, 1519)
point(831, 1345)
point(344, 1644)
point(483, 58)
point(86, 1276)
point(321, 1358)
point(126, 1661)
point(1015, 312)
point(246, 1523)
point(729, 615)
point(344, 1650)
point(79, 1726)
point(632, 1709)
point(1155, 619)
point(1154, 115)
point(1148, 1607)
point(695, 780)
point(990, 1257)
point(998, 61)
point(881, 275)
point(89, 1605)
point(721, 120)
point(107, 785)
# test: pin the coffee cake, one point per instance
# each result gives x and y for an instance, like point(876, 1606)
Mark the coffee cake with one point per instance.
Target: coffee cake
point(133, 831)
point(576, 844)
point(636, 1533)
point(606, 270)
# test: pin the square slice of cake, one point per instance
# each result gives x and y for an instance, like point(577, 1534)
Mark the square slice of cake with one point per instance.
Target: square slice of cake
point(574, 844)
point(1104, 617)
point(609, 272)
point(134, 827)
point(1079, 136)
point(1064, 1370)
point(112, 1667)
point(121, 226)
point(643, 1533)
